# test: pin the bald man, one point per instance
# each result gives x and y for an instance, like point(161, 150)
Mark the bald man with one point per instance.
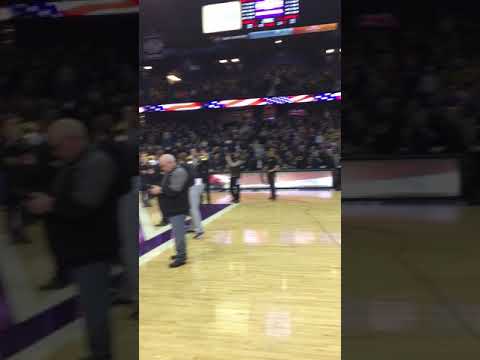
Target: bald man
point(82, 204)
point(175, 204)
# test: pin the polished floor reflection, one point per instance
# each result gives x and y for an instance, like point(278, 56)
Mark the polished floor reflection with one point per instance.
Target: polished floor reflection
point(411, 281)
point(264, 283)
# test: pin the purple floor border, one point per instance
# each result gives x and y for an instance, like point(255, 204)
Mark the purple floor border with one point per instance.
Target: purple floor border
point(147, 246)
point(18, 337)
point(22, 335)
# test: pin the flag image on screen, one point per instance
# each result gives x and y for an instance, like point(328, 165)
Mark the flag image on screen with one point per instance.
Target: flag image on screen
point(258, 14)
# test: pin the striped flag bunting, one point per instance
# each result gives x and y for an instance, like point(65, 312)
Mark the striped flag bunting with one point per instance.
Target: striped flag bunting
point(239, 103)
point(46, 9)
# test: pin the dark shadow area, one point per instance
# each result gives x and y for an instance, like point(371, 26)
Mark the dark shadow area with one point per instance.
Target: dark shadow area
point(410, 141)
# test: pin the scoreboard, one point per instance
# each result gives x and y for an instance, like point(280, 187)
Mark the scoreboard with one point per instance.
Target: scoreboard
point(264, 14)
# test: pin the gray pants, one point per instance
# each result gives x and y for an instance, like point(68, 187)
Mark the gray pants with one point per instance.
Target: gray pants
point(93, 283)
point(178, 229)
point(195, 197)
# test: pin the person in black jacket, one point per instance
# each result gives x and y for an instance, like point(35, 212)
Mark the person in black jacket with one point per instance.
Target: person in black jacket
point(157, 178)
point(146, 172)
point(125, 156)
point(272, 167)
point(174, 196)
point(205, 171)
point(83, 205)
point(12, 153)
point(47, 170)
point(234, 163)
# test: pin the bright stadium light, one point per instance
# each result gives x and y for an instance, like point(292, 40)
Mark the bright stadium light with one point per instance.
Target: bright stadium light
point(173, 78)
point(147, 67)
point(278, 41)
point(329, 51)
point(223, 61)
point(236, 60)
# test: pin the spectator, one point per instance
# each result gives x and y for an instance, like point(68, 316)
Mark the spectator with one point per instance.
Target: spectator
point(294, 138)
point(421, 103)
point(84, 199)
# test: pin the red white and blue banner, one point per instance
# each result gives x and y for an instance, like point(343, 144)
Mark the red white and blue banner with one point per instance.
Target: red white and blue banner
point(69, 8)
point(238, 103)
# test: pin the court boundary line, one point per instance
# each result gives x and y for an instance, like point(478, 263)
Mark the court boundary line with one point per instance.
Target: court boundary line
point(151, 255)
point(52, 343)
point(151, 244)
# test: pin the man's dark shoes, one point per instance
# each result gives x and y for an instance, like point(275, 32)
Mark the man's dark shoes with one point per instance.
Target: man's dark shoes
point(177, 263)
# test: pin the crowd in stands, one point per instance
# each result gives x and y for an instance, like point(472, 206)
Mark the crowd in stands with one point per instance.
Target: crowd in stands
point(244, 80)
point(301, 139)
point(411, 89)
point(58, 84)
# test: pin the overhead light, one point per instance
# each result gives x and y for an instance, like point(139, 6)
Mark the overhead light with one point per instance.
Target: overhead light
point(340, 50)
point(235, 60)
point(223, 61)
point(329, 51)
point(278, 41)
point(147, 67)
point(173, 78)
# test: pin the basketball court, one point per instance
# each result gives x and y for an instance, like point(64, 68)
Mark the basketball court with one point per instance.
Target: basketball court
point(425, 306)
point(263, 283)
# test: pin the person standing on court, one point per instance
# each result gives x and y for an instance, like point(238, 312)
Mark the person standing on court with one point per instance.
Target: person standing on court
point(234, 163)
point(204, 172)
point(83, 206)
point(48, 168)
point(194, 193)
point(157, 178)
point(125, 156)
point(146, 173)
point(174, 191)
point(272, 167)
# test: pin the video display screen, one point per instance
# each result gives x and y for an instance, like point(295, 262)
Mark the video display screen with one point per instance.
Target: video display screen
point(261, 14)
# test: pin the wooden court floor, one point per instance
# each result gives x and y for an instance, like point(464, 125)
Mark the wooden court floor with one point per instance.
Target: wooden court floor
point(410, 282)
point(264, 283)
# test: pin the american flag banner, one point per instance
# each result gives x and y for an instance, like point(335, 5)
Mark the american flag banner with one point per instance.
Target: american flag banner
point(213, 105)
point(243, 102)
point(329, 97)
point(182, 106)
point(42, 8)
point(237, 103)
point(278, 100)
point(39, 9)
